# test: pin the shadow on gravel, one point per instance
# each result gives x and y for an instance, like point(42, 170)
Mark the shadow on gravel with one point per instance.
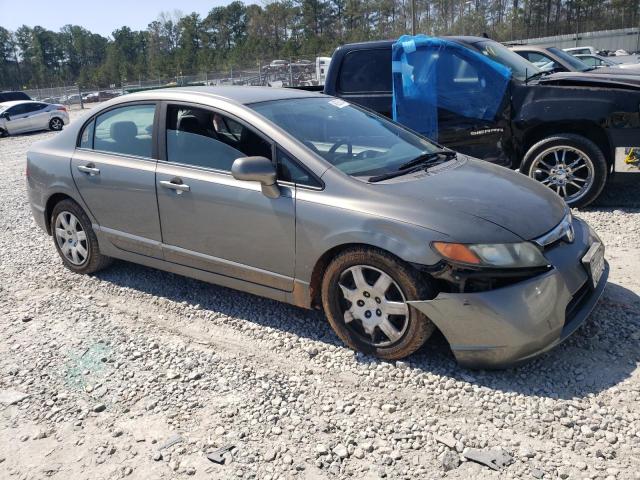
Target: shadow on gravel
point(601, 354)
point(620, 192)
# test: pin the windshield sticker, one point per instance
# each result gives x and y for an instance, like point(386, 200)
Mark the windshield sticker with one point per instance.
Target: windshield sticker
point(336, 102)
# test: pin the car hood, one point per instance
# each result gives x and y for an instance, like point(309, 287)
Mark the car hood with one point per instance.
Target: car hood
point(610, 77)
point(474, 201)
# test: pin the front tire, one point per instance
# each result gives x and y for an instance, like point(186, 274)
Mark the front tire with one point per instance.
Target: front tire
point(75, 240)
point(56, 124)
point(571, 165)
point(364, 295)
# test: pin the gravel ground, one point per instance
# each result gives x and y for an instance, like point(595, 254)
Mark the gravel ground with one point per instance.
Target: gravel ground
point(120, 365)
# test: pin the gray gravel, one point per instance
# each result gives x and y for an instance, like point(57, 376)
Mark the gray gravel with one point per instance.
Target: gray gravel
point(138, 373)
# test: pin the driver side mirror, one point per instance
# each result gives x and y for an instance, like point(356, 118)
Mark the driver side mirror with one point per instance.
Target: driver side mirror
point(257, 169)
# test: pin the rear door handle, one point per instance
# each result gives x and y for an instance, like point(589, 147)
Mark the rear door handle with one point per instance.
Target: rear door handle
point(175, 184)
point(89, 168)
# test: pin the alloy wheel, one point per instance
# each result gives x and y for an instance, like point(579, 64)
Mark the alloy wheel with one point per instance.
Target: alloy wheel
point(566, 170)
point(56, 124)
point(71, 238)
point(374, 306)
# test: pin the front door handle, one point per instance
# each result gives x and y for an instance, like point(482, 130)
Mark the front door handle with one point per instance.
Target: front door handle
point(90, 168)
point(175, 184)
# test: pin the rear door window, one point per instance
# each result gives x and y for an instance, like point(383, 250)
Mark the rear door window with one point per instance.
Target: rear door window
point(126, 130)
point(366, 71)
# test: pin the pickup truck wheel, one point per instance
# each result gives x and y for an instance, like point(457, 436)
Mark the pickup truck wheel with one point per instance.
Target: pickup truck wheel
point(364, 295)
point(571, 165)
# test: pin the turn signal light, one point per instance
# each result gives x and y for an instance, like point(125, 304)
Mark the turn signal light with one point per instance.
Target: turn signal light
point(457, 252)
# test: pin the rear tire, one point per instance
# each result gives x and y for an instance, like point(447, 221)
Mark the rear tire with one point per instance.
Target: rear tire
point(374, 311)
point(75, 240)
point(3, 133)
point(571, 165)
point(56, 124)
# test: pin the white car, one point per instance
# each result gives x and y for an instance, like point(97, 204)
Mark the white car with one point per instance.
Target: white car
point(598, 62)
point(581, 50)
point(22, 116)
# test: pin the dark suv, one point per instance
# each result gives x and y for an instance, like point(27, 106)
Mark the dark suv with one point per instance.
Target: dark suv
point(567, 130)
point(11, 96)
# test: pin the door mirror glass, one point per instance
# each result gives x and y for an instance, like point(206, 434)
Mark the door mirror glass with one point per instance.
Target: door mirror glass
point(257, 169)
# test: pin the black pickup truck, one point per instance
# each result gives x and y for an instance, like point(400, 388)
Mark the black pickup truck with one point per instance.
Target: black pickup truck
point(569, 131)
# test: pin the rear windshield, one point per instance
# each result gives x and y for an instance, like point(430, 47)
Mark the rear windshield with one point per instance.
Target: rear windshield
point(575, 63)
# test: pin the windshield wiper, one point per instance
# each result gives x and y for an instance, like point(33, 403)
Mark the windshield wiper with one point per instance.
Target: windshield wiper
point(538, 74)
point(416, 164)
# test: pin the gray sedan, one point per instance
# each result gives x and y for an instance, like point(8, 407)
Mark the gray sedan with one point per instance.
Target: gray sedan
point(23, 116)
point(310, 200)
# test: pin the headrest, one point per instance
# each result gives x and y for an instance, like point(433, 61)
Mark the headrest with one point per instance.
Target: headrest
point(190, 124)
point(123, 131)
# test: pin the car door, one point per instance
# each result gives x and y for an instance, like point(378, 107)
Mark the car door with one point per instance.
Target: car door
point(113, 167)
point(461, 125)
point(18, 121)
point(212, 221)
point(39, 116)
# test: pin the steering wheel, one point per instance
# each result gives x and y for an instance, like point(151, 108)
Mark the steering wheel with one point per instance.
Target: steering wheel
point(339, 143)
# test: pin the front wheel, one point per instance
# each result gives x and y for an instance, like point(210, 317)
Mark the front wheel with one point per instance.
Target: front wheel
point(365, 293)
point(570, 165)
point(56, 124)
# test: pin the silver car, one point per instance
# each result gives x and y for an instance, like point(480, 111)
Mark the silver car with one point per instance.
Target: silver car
point(310, 200)
point(23, 116)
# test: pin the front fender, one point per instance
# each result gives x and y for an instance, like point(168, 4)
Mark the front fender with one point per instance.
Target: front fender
point(321, 227)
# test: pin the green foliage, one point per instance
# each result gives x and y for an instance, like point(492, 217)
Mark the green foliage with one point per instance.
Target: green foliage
point(243, 36)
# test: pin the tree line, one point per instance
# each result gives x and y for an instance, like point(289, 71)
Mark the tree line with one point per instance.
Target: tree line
point(239, 35)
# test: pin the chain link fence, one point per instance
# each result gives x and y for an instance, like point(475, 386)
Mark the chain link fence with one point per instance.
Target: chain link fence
point(278, 73)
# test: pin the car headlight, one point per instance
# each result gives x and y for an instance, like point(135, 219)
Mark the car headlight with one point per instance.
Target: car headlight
point(496, 255)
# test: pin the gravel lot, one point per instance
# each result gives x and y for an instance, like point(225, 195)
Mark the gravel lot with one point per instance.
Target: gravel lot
point(119, 365)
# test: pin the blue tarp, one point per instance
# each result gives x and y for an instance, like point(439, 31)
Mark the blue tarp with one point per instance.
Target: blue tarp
point(431, 73)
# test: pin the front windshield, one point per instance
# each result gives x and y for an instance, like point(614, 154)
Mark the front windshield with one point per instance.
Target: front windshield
point(577, 64)
point(354, 140)
point(520, 67)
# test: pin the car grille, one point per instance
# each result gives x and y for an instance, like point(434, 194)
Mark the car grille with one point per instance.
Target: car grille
point(579, 298)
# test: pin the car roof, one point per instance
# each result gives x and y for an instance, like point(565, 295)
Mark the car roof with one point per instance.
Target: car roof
point(386, 43)
point(243, 95)
point(535, 48)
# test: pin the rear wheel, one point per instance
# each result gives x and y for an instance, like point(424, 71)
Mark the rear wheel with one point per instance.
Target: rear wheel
point(3, 133)
point(56, 124)
point(365, 293)
point(570, 165)
point(75, 240)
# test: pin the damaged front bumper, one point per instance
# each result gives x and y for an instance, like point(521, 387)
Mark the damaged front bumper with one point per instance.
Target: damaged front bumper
point(508, 325)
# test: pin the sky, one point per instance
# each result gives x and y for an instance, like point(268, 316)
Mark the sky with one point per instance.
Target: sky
point(101, 17)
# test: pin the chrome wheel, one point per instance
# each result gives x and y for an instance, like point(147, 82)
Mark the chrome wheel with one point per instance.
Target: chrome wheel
point(374, 306)
point(71, 238)
point(566, 170)
point(56, 124)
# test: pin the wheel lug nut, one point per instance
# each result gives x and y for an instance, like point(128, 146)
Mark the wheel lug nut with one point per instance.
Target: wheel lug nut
point(378, 300)
point(367, 294)
point(378, 312)
point(360, 303)
point(367, 314)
